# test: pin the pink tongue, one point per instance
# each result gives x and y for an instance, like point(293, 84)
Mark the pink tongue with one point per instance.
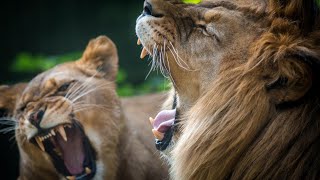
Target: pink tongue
point(73, 152)
point(164, 120)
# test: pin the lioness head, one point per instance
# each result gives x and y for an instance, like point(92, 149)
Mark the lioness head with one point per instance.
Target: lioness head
point(69, 118)
point(191, 44)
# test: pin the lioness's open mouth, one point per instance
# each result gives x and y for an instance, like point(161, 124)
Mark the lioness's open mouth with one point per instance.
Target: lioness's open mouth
point(69, 149)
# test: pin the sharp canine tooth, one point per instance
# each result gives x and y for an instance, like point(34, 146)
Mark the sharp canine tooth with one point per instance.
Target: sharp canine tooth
point(157, 134)
point(144, 53)
point(40, 144)
point(71, 177)
point(151, 120)
point(88, 170)
point(138, 42)
point(52, 132)
point(62, 132)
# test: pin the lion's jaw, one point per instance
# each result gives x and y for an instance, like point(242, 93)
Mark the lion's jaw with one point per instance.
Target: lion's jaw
point(199, 41)
point(64, 116)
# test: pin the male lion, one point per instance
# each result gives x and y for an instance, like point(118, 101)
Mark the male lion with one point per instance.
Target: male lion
point(71, 125)
point(245, 78)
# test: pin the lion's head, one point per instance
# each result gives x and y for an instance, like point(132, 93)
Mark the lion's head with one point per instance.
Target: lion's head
point(191, 44)
point(69, 118)
point(245, 75)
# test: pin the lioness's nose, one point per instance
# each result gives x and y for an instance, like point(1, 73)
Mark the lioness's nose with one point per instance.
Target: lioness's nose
point(36, 117)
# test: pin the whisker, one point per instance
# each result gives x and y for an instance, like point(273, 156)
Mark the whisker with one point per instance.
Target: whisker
point(78, 109)
point(177, 58)
point(90, 91)
point(152, 62)
point(8, 130)
point(82, 87)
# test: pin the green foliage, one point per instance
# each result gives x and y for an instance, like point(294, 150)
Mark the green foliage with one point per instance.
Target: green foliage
point(318, 1)
point(152, 84)
point(192, 1)
point(28, 63)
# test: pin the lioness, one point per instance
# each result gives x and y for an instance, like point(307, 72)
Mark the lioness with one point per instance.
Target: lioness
point(71, 124)
point(245, 77)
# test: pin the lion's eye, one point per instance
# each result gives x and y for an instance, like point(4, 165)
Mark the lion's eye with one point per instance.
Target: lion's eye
point(203, 29)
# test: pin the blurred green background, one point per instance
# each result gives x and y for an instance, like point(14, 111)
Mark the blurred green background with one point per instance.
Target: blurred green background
point(37, 35)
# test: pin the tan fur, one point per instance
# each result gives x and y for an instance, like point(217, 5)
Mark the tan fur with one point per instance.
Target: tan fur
point(140, 158)
point(255, 114)
point(107, 128)
point(8, 97)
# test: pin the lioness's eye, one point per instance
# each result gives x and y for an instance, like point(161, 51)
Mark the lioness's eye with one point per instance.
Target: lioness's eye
point(64, 87)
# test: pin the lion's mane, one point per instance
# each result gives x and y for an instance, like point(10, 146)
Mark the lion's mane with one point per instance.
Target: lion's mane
point(260, 120)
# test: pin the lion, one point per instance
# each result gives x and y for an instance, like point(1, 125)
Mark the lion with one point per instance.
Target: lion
point(244, 75)
point(71, 124)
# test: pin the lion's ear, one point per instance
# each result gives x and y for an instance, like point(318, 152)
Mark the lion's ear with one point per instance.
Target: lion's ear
point(292, 81)
point(303, 12)
point(101, 55)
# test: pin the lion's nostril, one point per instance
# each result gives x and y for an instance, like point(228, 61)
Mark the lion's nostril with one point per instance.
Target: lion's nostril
point(147, 9)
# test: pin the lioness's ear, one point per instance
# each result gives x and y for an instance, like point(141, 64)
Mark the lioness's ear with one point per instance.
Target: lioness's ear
point(303, 12)
point(101, 55)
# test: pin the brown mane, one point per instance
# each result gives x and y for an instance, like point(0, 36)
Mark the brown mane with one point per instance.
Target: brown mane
point(260, 120)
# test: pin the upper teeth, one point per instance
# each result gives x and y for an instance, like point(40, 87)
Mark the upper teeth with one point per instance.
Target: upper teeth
point(62, 132)
point(59, 129)
point(50, 134)
point(144, 51)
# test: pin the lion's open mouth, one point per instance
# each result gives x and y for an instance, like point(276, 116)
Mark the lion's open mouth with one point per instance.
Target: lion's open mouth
point(69, 149)
point(163, 128)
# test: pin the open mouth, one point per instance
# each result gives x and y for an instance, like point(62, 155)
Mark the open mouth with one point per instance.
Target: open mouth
point(163, 128)
point(69, 149)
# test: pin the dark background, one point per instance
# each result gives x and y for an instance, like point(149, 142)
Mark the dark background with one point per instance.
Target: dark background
point(59, 27)
point(54, 28)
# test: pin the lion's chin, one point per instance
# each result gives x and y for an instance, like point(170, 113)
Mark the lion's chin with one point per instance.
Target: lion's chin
point(70, 150)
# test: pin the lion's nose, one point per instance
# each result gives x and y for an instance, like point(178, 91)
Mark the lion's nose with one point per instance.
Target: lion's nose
point(153, 8)
point(147, 10)
point(36, 117)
